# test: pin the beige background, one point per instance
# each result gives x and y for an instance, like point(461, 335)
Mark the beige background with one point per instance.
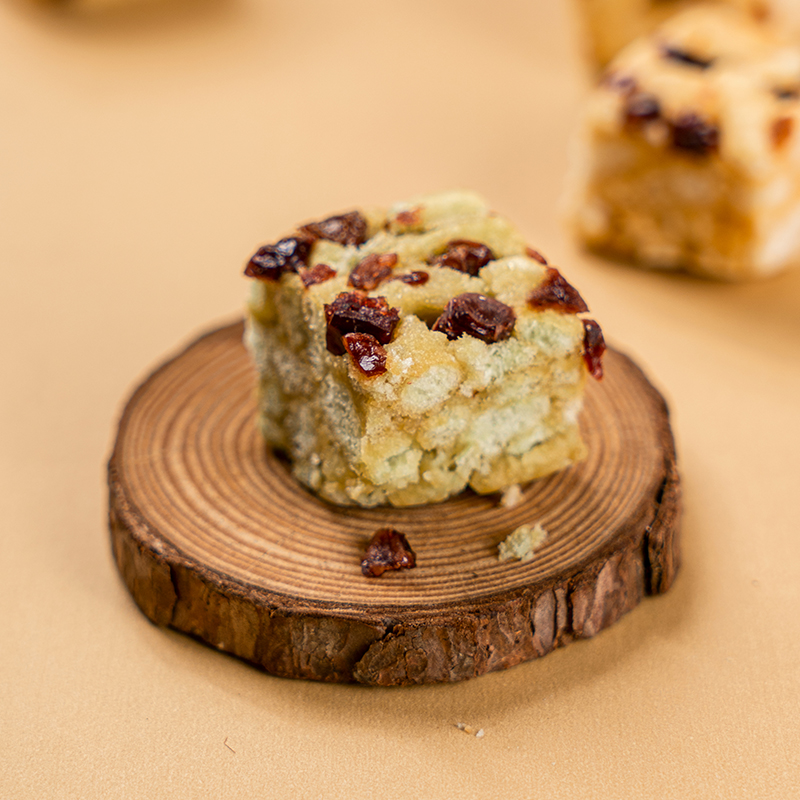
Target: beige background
point(145, 153)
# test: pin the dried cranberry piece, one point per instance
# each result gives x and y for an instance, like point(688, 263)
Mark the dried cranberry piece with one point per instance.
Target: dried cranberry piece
point(350, 228)
point(695, 135)
point(371, 271)
point(368, 354)
point(782, 129)
point(686, 58)
point(416, 278)
point(556, 293)
point(593, 348)
point(476, 315)
point(272, 260)
point(535, 255)
point(464, 255)
point(319, 273)
point(618, 82)
point(642, 107)
point(787, 92)
point(387, 549)
point(411, 218)
point(353, 312)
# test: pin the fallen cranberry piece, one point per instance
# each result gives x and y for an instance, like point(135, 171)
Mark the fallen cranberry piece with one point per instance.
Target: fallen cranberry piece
point(353, 312)
point(367, 352)
point(416, 278)
point(695, 135)
point(371, 271)
point(464, 255)
point(350, 228)
point(476, 315)
point(685, 57)
point(555, 293)
point(593, 348)
point(535, 255)
point(319, 273)
point(642, 107)
point(272, 260)
point(387, 549)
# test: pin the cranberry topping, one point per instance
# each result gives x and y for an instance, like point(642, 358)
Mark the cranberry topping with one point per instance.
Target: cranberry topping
point(593, 348)
point(319, 273)
point(367, 352)
point(353, 312)
point(387, 549)
point(618, 82)
point(476, 315)
point(464, 255)
point(695, 135)
point(535, 255)
point(416, 278)
point(350, 228)
point(556, 293)
point(782, 129)
point(686, 58)
point(787, 92)
point(272, 260)
point(642, 107)
point(371, 271)
point(410, 218)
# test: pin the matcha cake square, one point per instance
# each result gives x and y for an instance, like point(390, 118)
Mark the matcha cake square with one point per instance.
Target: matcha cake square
point(406, 354)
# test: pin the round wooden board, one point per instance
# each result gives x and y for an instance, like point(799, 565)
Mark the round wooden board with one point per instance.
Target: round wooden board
point(214, 538)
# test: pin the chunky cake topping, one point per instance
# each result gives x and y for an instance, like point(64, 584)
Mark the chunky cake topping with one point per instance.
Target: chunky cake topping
point(345, 229)
point(555, 293)
point(465, 256)
point(353, 312)
point(694, 134)
point(686, 58)
point(272, 260)
point(535, 255)
point(782, 129)
point(371, 271)
point(641, 107)
point(476, 315)
point(367, 352)
point(594, 346)
point(388, 549)
point(416, 278)
point(319, 273)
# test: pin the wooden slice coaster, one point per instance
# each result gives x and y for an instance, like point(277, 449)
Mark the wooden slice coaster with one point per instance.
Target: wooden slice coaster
point(214, 537)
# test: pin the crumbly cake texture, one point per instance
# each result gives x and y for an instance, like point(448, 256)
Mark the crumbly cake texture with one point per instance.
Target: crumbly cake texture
point(690, 153)
point(610, 25)
point(522, 543)
point(408, 353)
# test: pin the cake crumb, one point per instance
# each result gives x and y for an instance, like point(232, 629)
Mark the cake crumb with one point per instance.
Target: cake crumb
point(522, 543)
point(512, 496)
point(478, 733)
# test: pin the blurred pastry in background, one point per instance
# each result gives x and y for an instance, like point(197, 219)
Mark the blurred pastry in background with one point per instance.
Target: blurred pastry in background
point(609, 25)
point(689, 157)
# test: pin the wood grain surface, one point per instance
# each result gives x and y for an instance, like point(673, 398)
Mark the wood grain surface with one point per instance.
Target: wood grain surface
point(213, 537)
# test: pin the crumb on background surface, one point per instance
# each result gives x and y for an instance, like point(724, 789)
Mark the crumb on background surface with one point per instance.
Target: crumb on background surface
point(478, 733)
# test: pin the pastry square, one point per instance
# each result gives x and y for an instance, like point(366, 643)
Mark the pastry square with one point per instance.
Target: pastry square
point(609, 25)
point(404, 355)
point(690, 153)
